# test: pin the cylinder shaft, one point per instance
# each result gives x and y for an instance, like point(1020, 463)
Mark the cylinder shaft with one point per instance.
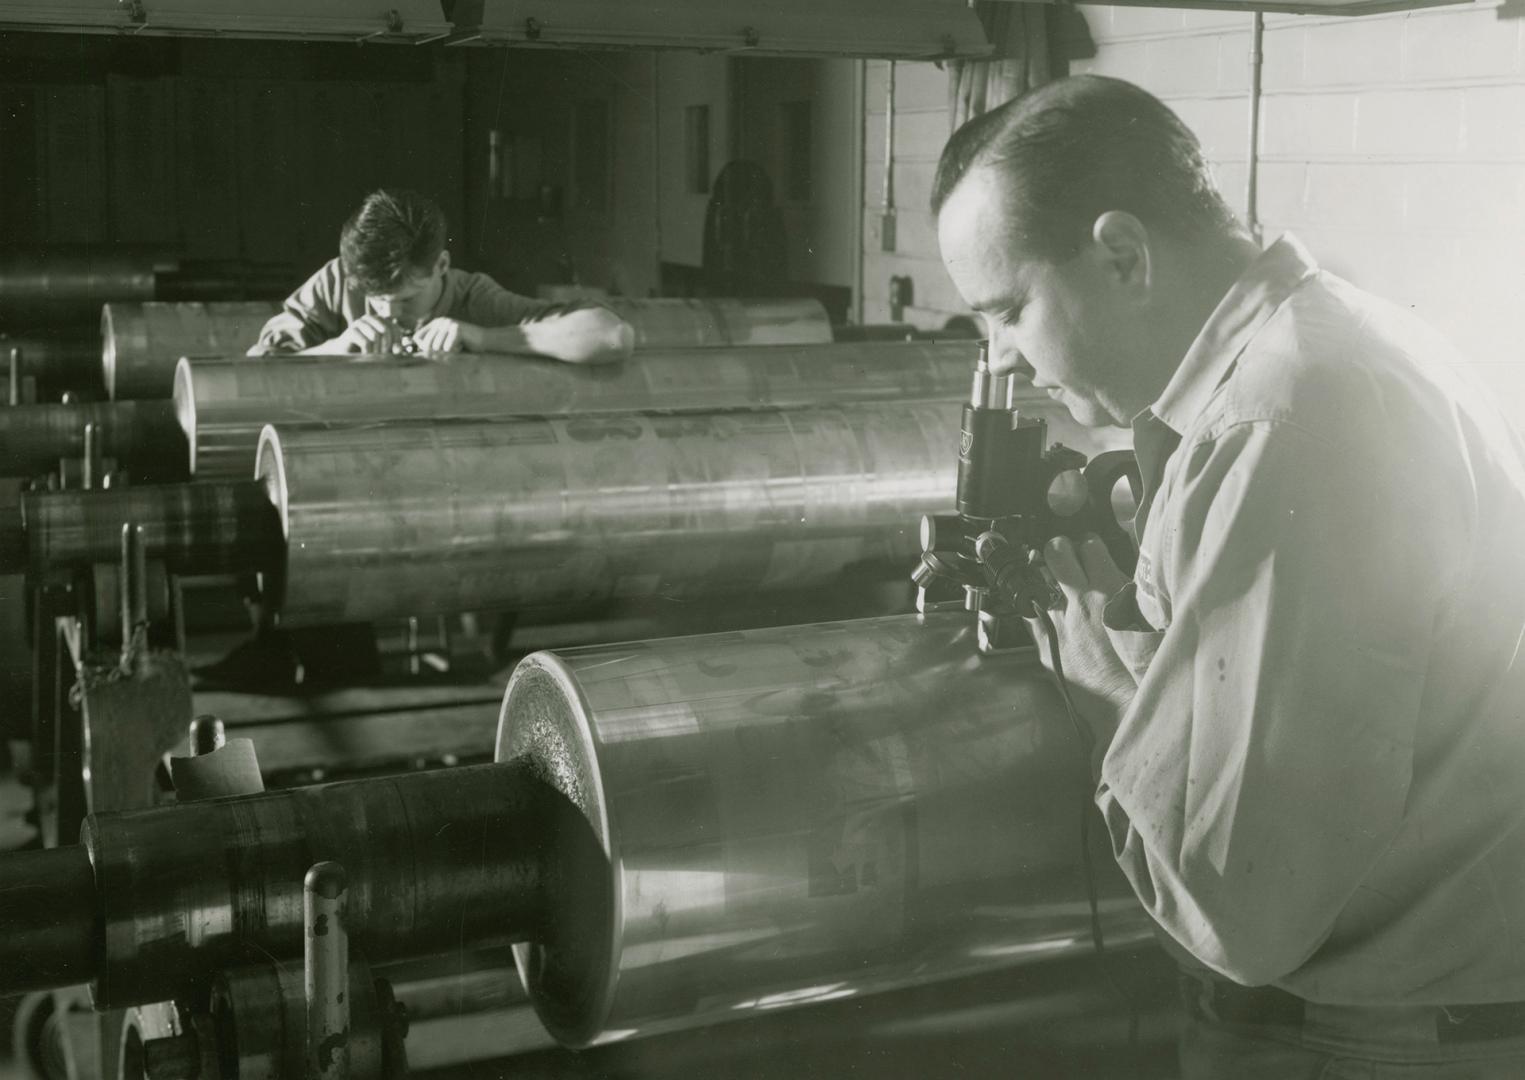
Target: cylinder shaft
point(145, 435)
point(194, 528)
point(435, 860)
point(48, 930)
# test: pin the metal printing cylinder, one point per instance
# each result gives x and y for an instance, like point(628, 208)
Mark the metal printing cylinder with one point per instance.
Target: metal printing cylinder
point(193, 528)
point(146, 435)
point(43, 287)
point(671, 323)
point(426, 519)
point(142, 342)
point(802, 814)
point(223, 407)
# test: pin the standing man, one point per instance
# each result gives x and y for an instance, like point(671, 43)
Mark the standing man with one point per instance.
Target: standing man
point(392, 288)
point(1309, 702)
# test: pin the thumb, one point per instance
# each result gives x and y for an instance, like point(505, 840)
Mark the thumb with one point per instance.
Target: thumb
point(1100, 568)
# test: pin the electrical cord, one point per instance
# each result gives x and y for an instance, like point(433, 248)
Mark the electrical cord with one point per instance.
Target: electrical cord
point(1088, 747)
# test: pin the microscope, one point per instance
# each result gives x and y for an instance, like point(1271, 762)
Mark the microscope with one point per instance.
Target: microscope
point(1015, 493)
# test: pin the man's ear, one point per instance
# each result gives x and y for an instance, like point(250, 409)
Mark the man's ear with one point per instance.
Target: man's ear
point(1122, 242)
point(443, 262)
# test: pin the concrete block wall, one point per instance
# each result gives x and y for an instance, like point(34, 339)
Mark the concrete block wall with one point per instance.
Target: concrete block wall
point(1393, 145)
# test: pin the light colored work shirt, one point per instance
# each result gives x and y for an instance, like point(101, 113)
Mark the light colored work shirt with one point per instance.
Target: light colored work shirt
point(328, 302)
point(1320, 783)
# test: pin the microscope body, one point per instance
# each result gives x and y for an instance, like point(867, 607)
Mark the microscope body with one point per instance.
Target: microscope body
point(1015, 493)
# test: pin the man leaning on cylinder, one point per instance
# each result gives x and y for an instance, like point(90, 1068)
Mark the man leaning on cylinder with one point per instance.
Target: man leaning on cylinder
point(392, 289)
point(1309, 701)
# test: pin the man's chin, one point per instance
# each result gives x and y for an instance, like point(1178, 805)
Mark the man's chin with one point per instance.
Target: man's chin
point(1085, 413)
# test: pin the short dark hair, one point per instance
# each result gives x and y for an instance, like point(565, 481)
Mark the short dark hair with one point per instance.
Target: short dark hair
point(1073, 149)
point(394, 235)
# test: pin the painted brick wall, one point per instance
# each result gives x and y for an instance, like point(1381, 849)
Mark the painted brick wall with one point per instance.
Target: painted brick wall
point(1393, 145)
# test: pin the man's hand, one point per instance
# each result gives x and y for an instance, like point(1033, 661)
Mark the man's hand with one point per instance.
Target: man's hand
point(440, 337)
point(367, 334)
point(1099, 683)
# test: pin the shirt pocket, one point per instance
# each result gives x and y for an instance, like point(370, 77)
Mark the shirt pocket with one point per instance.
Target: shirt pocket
point(1133, 635)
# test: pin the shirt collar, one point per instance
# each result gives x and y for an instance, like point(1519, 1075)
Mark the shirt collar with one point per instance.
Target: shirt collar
point(1241, 313)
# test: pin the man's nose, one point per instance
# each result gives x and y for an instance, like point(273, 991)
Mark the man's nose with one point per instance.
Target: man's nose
point(1010, 361)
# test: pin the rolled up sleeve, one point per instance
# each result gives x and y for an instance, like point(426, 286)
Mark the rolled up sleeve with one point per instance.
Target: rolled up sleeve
point(1265, 763)
point(486, 303)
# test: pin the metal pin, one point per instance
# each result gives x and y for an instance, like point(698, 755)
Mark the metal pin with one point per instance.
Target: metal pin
point(15, 391)
point(90, 478)
point(134, 587)
point(325, 940)
point(207, 734)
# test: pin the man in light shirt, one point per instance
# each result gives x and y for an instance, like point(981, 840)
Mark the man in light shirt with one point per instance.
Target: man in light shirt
point(1309, 701)
point(392, 289)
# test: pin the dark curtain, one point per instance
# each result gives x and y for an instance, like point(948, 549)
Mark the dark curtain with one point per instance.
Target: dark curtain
point(1019, 32)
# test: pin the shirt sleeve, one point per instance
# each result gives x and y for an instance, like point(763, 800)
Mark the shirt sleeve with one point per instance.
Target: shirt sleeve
point(486, 303)
point(1265, 762)
point(310, 316)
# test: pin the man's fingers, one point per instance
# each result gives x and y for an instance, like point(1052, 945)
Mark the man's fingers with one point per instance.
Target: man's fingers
point(1100, 569)
point(1062, 560)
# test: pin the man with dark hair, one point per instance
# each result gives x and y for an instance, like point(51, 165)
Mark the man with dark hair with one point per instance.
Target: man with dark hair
point(392, 289)
point(1309, 701)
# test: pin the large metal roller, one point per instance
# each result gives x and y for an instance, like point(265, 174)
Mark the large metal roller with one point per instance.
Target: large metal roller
point(222, 407)
point(674, 832)
point(800, 814)
point(144, 435)
point(551, 510)
point(40, 287)
point(691, 323)
point(141, 342)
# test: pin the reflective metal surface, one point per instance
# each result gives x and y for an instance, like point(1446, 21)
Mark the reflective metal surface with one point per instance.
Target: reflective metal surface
point(436, 860)
point(142, 342)
point(43, 287)
point(669, 323)
point(63, 360)
point(800, 815)
point(534, 511)
point(194, 528)
point(222, 407)
point(143, 437)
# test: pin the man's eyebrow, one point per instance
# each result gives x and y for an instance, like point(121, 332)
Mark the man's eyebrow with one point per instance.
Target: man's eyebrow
point(998, 302)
